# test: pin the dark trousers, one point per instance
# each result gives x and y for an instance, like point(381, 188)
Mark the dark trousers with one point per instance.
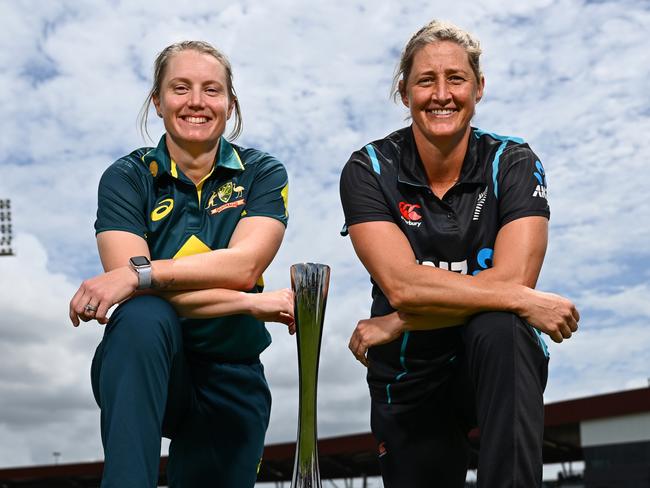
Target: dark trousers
point(496, 382)
point(216, 413)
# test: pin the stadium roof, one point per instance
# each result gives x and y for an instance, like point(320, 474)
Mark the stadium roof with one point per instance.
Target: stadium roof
point(354, 455)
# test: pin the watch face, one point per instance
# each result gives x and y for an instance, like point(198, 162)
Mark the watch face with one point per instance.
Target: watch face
point(140, 261)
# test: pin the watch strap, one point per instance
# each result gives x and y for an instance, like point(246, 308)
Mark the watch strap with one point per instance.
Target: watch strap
point(142, 270)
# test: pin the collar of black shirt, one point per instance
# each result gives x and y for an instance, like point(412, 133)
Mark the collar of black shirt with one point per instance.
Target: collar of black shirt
point(411, 170)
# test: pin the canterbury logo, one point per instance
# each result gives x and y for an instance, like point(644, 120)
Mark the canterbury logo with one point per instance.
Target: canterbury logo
point(162, 210)
point(410, 213)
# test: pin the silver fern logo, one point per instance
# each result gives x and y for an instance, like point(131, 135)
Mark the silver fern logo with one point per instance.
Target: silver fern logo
point(479, 204)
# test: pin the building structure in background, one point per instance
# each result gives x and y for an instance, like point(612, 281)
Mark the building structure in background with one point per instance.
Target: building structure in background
point(610, 433)
point(6, 231)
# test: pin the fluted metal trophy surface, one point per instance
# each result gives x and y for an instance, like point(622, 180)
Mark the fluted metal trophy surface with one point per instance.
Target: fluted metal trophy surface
point(310, 283)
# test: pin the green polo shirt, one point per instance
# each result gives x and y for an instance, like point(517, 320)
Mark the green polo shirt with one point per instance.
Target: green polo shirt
point(145, 193)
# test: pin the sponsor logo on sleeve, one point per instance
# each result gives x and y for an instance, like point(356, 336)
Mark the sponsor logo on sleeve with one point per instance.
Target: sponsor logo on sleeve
point(409, 213)
point(153, 168)
point(540, 190)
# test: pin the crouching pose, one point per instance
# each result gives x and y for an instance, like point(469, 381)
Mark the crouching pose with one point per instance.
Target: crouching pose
point(184, 232)
point(451, 223)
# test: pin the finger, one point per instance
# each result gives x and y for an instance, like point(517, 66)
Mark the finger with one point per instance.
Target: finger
point(354, 345)
point(359, 352)
point(286, 319)
point(351, 344)
point(575, 313)
point(361, 356)
point(89, 310)
point(102, 310)
point(573, 325)
point(91, 307)
point(78, 307)
point(556, 336)
point(74, 316)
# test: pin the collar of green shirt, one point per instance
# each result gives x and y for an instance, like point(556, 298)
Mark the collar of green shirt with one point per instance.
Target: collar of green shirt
point(158, 160)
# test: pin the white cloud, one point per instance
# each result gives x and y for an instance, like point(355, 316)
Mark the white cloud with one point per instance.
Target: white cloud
point(46, 402)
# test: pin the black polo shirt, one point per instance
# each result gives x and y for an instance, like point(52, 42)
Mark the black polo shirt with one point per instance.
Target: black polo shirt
point(501, 180)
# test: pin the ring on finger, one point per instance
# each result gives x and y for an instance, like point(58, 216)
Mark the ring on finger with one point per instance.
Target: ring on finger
point(90, 308)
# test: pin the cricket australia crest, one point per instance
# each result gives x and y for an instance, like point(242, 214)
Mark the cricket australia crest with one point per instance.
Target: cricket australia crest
point(225, 192)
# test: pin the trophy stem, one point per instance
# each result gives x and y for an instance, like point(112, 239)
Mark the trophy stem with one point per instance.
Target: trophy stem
point(310, 283)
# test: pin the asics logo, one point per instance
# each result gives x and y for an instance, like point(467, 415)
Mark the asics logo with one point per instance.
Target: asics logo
point(162, 210)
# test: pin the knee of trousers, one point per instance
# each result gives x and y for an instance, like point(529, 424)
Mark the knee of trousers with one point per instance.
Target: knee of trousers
point(144, 323)
point(491, 332)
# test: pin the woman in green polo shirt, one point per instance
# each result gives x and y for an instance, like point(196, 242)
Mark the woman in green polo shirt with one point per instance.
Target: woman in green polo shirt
point(184, 232)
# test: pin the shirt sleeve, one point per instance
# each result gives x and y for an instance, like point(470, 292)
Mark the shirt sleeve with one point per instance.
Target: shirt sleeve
point(269, 193)
point(361, 195)
point(121, 201)
point(522, 186)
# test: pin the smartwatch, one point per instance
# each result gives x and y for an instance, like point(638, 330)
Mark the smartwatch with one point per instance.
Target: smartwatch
point(142, 267)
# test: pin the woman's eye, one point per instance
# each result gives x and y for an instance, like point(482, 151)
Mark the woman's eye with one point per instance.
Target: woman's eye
point(425, 81)
point(211, 91)
point(180, 89)
point(456, 79)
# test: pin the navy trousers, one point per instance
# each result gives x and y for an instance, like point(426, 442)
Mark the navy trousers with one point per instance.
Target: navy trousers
point(496, 382)
point(215, 413)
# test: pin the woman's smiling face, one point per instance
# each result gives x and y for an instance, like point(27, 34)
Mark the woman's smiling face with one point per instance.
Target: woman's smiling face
point(193, 99)
point(441, 91)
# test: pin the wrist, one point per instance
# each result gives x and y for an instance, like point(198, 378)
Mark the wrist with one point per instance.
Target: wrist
point(141, 266)
point(132, 277)
point(249, 302)
point(400, 322)
point(517, 300)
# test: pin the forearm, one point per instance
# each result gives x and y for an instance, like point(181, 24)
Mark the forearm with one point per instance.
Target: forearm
point(252, 246)
point(208, 303)
point(424, 290)
point(223, 268)
point(443, 316)
point(409, 321)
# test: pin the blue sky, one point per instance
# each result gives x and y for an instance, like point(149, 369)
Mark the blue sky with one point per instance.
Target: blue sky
point(568, 76)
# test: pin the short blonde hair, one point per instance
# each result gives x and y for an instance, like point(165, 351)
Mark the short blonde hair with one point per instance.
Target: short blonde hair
point(435, 31)
point(160, 68)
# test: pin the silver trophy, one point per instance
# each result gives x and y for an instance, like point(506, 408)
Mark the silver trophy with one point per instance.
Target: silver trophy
point(310, 283)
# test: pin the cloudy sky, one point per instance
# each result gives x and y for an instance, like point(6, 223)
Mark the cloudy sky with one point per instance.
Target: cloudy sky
point(569, 76)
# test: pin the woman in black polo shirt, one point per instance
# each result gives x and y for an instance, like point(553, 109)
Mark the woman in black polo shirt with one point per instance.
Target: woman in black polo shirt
point(451, 223)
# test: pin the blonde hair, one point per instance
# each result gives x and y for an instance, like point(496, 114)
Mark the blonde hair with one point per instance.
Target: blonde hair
point(160, 68)
point(435, 31)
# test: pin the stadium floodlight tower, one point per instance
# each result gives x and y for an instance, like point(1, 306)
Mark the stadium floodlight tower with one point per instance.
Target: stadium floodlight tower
point(5, 228)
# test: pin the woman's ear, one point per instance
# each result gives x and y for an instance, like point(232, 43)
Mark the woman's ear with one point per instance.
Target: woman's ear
point(480, 88)
point(156, 103)
point(402, 93)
